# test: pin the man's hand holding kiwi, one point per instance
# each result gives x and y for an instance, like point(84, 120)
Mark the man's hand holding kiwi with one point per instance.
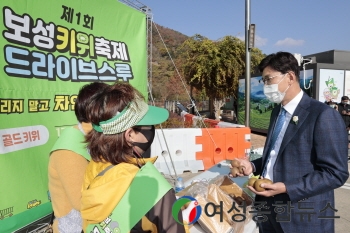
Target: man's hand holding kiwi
point(240, 167)
point(265, 187)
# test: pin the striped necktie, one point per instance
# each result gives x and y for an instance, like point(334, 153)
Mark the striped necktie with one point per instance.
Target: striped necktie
point(278, 127)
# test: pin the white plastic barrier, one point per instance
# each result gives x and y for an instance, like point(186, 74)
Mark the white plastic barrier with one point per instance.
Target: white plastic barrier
point(223, 124)
point(181, 146)
point(259, 150)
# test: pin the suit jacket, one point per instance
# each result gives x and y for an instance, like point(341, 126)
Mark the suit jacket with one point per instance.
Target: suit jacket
point(312, 162)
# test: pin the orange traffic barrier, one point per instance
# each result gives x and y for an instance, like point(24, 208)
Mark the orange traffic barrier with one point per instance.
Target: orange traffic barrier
point(222, 144)
point(188, 120)
point(212, 123)
point(209, 122)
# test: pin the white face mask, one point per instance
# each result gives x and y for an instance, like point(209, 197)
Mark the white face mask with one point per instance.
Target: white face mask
point(273, 94)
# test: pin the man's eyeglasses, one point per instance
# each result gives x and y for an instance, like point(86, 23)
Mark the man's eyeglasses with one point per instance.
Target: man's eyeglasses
point(267, 80)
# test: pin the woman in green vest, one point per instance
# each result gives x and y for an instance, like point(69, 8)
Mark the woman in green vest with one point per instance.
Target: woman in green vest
point(122, 191)
point(68, 161)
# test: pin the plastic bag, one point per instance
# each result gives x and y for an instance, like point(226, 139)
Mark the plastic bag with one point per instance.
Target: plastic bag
point(197, 188)
point(212, 224)
point(238, 217)
point(217, 192)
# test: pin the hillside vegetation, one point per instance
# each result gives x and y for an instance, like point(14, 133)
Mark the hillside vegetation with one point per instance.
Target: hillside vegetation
point(165, 85)
point(212, 68)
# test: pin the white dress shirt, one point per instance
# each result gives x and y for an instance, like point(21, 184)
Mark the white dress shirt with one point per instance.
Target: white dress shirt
point(290, 108)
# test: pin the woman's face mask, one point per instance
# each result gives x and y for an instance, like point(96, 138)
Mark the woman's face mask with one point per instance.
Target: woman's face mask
point(273, 94)
point(148, 131)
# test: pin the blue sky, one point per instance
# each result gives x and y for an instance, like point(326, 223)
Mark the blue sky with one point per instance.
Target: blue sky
point(296, 26)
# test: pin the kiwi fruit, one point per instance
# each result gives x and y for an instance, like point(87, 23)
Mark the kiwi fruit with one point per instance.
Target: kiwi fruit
point(241, 169)
point(258, 182)
point(235, 163)
point(251, 181)
point(234, 171)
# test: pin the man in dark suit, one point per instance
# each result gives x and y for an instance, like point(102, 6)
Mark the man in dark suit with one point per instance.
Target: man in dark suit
point(306, 158)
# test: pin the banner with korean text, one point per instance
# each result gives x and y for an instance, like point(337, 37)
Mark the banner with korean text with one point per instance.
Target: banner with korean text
point(51, 49)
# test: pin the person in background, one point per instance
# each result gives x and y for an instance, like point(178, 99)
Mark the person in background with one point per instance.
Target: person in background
point(123, 130)
point(305, 154)
point(68, 161)
point(332, 104)
point(344, 110)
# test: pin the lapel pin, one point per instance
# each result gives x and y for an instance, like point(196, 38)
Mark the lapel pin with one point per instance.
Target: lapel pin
point(295, 120)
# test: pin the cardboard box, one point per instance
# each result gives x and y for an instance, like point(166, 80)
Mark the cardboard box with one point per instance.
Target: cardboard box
point(234, 191)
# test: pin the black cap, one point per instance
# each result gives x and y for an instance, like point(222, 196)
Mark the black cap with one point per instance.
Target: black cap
point(344, 98)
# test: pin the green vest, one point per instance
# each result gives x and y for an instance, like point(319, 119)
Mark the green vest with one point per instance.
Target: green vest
point(134, 204)
point(72, 139)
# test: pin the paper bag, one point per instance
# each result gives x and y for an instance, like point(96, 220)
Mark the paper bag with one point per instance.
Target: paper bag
point(212, 224)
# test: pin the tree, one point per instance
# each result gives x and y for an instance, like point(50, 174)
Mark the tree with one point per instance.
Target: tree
point(215, 66)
